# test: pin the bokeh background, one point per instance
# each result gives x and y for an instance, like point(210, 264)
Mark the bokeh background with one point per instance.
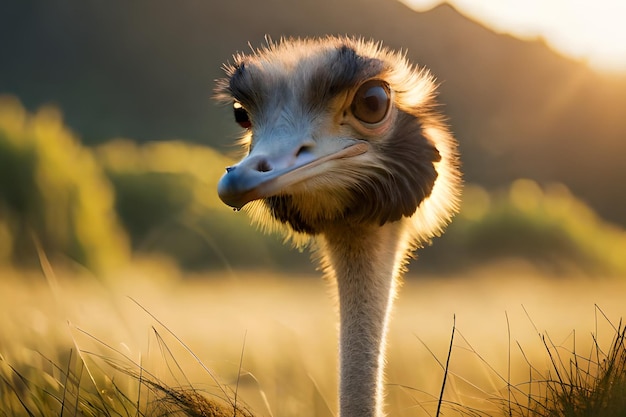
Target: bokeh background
point(111, 145)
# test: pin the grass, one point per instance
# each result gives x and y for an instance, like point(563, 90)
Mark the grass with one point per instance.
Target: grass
point(111, 383)
point(253, 344)
point(583, 385)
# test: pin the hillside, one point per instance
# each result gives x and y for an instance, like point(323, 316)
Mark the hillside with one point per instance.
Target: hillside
point(145, 70)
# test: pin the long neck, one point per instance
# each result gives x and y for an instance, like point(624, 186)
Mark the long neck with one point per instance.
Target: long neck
point(366, 264)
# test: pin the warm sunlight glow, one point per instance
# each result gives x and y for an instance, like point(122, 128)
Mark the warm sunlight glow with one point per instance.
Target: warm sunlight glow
point(583, 29)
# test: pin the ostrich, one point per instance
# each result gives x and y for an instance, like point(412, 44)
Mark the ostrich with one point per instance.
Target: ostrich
point(345, 147)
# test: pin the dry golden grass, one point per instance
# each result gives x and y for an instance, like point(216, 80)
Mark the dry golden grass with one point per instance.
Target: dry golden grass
point(272, 339)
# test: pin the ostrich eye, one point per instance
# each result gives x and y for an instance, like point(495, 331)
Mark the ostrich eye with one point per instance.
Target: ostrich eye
point(371, 101)
point(241, 115)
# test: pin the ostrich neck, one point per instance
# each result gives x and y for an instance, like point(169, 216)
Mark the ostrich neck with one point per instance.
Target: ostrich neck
point(366, 264)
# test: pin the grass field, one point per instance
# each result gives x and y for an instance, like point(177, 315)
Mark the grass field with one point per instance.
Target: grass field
point(271, 339)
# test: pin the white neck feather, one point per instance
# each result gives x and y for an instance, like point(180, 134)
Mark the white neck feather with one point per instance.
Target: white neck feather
point(366, 265)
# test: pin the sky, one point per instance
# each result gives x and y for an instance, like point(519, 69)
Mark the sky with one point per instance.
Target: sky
point(591, 30)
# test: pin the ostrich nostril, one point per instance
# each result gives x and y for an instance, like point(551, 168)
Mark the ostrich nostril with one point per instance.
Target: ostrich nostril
point(263, 166)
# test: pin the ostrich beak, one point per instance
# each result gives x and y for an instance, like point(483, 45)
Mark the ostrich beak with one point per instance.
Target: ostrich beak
point(264, 174)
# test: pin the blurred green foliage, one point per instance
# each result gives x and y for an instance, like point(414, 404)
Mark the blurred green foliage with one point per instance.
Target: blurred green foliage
point(549, 227)
point(101, 206)
point(54, 192)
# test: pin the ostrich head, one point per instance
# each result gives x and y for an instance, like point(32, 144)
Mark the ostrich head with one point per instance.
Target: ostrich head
point(345, 145)
point(339, 131)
